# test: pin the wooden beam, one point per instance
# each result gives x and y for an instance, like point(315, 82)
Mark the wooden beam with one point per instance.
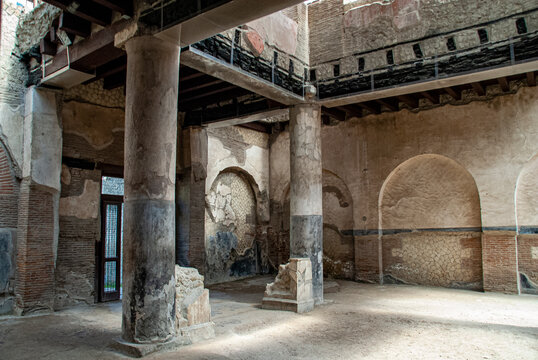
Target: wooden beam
point(258, 126)
point(114, 81)
point(409, 100)
point(190, 76)
point(124, 7)
point(75, 25)
point(371, 106)
point(479, 89)
point(334, 113)
point(199, 86)
point(189, 104)
point(531, 79)
point(86, 10)
point(352, 110)
point(47, 47)
point(456, 95)
point(505, 86)
point(432, 96)
point(390, 103)
point(99, 46)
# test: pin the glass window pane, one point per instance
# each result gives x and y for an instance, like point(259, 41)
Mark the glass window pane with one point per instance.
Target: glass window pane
point(110, 277)
point(112, 186)
point(111, 231)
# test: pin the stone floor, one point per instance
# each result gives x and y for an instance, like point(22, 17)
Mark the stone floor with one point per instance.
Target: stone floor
point(359, 321)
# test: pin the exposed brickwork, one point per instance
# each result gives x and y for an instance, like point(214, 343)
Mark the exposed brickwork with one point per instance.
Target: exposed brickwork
point(35, 254)
point(527, 256)
point(499, 262)
point(76, 260)
point(9, 192)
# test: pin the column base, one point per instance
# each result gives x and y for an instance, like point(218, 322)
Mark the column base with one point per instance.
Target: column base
point(269, 303)
point(189, 335)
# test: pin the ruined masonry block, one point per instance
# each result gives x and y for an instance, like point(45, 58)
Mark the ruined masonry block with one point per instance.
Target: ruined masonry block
point(193, 312)
point(292, 288)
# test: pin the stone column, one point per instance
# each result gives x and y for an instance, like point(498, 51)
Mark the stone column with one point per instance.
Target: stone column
point(190, 199)
point(150, 176)
point(306, 219)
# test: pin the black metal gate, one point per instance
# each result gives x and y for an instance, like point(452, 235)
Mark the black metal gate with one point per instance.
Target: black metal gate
point(111, 247)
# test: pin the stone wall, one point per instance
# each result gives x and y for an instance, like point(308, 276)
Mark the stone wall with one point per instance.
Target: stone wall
point(237, 210)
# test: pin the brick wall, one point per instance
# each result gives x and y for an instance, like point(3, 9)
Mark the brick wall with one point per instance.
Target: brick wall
point(499, 261)
point(35, 253)
point(9, 192)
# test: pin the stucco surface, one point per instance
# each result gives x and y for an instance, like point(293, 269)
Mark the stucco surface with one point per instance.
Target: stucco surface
point(527, 195)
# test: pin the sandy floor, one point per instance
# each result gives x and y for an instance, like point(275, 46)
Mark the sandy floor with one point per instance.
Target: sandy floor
point(359, 321)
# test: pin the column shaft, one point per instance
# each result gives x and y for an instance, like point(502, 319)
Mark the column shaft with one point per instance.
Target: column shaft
point(150, 175)
point(306, 216)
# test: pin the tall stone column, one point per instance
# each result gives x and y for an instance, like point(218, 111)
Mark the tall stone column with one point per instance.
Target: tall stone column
point(150, 176)
point(306, 216)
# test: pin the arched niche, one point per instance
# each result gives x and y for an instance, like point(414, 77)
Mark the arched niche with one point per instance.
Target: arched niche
point(232, 220)
point(429, 214)
point(527, 226)
point(338, 246)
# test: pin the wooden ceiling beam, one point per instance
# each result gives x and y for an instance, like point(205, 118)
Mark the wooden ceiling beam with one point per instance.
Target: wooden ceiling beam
point(433, 96)
point(409, 100)
point(47, 47)
point(389, 103)
point(115, 81)
point(74, 25)
point(190, 76)
point(478, 88)
point(371, 106)
point(531, 78)
point(456, 95)
point(334, 113)
point(99, 46)
point(351, 110)
point(188, 104)
point(203, 85)
point(87, 10)
point(505, 86)
point(124, 7)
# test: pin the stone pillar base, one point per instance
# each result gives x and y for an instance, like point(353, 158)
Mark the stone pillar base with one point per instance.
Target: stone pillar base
point(292, 288)
point(188, 335)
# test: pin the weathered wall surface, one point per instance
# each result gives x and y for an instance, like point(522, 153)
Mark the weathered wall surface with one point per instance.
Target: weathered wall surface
point(338, 200)
point(338, 30)
point(237, 206)
point(79, 230)
point(527, 221)
point(438, 197)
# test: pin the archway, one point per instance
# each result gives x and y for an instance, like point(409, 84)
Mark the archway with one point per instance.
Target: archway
point(338, 247)
point(429, 215)
point(231, 227)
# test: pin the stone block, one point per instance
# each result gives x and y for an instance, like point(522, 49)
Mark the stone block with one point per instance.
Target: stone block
point(292, 288)
point(193, 312)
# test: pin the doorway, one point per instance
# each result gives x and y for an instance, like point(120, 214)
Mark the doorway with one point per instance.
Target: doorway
point(111, 249)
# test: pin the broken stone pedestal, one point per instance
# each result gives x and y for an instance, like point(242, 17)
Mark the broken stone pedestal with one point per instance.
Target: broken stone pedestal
point(193, 317)
point(292, 288)
point(193, 313)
